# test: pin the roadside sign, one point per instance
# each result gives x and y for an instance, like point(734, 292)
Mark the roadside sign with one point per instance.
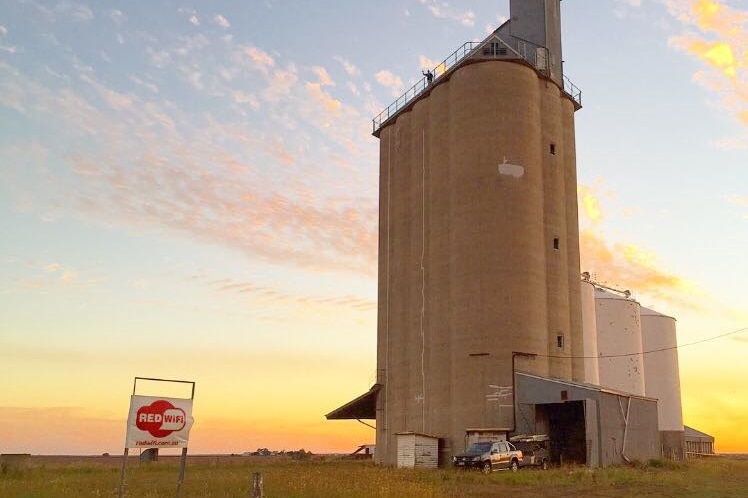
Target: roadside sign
point(158, 422)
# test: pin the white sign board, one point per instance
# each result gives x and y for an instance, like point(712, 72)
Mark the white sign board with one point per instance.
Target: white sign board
point(158, 422)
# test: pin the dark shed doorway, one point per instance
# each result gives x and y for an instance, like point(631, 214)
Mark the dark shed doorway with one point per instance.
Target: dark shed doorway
point(566, 430)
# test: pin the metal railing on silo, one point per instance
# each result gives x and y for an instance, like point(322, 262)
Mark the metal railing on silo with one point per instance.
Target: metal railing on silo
point(496, 47)
point(451, 61)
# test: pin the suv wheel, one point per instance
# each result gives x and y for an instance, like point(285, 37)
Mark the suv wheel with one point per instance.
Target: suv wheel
point(486, 467)
point(514, 466)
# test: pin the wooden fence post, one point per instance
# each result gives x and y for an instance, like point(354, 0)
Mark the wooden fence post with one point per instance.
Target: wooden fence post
point(257, 489)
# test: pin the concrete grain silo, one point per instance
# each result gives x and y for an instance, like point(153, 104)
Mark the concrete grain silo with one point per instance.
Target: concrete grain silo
point(619, 333)
point(479, 332)
point(663, 378)
point(478, 254)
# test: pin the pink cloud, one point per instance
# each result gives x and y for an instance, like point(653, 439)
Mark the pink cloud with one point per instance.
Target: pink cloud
point(718, 38)
point(389, 80)
point(261, 60)
point(218, 181)
point(251, 290)
point(323, 76)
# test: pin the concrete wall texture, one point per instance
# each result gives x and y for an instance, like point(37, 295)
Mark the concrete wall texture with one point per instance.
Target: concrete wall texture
point(478, 251)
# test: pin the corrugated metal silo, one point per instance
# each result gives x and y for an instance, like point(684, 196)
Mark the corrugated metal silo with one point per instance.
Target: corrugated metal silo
point(663, 378)
point(589, 340)
point(619, 333)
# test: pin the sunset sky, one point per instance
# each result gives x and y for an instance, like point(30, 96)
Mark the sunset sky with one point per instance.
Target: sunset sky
point(189, 191)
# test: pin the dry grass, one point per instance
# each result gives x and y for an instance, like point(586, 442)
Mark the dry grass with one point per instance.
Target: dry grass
point(45, 477)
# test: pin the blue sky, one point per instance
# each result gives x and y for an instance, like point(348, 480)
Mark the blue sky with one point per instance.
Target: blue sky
point(189, 190)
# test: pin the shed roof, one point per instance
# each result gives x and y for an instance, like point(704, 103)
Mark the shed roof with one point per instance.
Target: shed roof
point(586, 386)
point(693, 434)
point(363, 407)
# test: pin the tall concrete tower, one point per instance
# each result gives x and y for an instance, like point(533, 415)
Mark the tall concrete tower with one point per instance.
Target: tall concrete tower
point(478, 237)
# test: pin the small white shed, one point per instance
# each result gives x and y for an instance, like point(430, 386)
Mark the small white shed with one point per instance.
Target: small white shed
point(484, 435)
point(417, 450)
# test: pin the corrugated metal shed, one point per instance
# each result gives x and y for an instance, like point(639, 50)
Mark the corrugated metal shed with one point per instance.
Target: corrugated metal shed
point(595, 425)
point(698, 443)
point(416, 450)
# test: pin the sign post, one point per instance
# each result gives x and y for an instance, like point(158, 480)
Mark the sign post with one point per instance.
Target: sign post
point(158, 422)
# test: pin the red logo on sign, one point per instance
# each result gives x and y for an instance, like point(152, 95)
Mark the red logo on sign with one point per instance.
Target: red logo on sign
point(160, 418)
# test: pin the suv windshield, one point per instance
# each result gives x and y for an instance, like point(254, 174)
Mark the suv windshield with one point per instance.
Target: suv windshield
point(478, 448)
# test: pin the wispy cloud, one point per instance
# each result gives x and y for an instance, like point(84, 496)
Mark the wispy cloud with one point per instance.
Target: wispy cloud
point(426, 63)
point(625, 264)
point(6, 48)
point(328, 103)
point(349, 67)
point(442, 10)
point(155, 173)
point(588, 202)
point(149, 85)
point(116, 100)
point(281, 83)
point(42, 277)
point(260, 59)
point(228, 179)
point(731, 143)
point(264, 294)
point(117, 16)
point(629, 266)
point(77, 12)
point(717, 36)
point(222, 21)
point(388, 79)
point(736, 200)
point(245, 98)
point(739, 201)
point(323, 76)
point(490, 28)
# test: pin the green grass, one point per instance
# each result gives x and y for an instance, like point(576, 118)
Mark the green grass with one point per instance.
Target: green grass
point(45, 477)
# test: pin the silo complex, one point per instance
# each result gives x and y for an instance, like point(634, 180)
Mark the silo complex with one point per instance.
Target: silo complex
point(478, 240)
point(619, 342)
point(484, 331)
point(663, 378)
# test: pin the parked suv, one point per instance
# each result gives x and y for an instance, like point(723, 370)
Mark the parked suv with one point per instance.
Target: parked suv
point(489, 456)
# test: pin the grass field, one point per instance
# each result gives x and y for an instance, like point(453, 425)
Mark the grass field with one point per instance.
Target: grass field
point(43, 477)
